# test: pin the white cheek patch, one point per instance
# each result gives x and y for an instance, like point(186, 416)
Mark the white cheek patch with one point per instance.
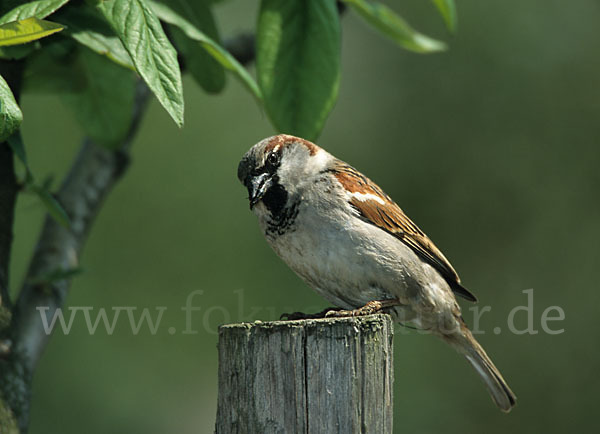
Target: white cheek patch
point(320, 160)
point(363, 197)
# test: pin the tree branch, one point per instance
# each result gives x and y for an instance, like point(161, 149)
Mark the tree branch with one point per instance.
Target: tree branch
point(95, 171)
point(92, 176)
point(8, 195)
point(12, 72)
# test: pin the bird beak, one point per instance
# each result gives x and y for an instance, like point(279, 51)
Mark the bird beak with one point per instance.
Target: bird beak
point(257, 187)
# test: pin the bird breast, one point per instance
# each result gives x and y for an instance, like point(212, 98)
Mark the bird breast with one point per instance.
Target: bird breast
point(349, 261)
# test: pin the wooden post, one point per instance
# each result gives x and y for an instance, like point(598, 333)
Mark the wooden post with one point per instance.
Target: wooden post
point(329, 375)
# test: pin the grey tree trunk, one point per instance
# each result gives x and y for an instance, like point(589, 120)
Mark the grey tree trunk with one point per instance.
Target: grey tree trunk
point(311, 376)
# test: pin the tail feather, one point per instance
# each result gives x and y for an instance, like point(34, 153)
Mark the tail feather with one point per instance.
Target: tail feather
point(465, 343)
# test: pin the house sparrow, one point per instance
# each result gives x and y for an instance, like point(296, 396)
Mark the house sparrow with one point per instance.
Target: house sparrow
point(352, 244)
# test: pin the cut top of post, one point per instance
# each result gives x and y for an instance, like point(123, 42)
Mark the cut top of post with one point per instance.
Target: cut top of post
point(319, 376)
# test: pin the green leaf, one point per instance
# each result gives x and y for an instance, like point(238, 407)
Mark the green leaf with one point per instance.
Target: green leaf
point(170, 14)
point(298, 63)
point(88, 28)
point(23, 174)
point(205, 69)
point(15, 142)
point(104, 105)
point(30, 29)
point(153, 55)
point(53, 207)
point(37, 9)
point(10, 113)
point(447, 9)
point(395, 27)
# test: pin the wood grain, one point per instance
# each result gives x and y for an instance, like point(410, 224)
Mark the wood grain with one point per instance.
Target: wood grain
point(330, 375)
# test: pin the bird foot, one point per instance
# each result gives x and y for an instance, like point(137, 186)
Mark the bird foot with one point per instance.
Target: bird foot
point(368, 309)
point(300, 315)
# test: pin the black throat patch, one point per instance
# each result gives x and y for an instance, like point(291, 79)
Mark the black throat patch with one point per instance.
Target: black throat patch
point(282, 213)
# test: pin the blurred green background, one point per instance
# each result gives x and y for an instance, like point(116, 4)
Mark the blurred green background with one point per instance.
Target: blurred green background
point(491, 147)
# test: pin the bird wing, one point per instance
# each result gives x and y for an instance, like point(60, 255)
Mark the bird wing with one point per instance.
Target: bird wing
point(377, 208)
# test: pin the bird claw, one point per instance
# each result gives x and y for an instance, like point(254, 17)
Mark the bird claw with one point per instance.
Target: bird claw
point(300, 315)
point(370, 308)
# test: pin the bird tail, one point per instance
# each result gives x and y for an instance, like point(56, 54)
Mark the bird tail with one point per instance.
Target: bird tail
point(463, 341)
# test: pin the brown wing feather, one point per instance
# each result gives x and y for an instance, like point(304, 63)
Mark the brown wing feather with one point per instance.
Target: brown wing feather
point(389, 217)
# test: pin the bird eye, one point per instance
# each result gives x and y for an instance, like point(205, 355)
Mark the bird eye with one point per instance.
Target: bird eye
point(273, 160)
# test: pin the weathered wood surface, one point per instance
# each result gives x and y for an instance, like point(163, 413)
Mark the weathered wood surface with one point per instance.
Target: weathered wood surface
point(309, 376)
